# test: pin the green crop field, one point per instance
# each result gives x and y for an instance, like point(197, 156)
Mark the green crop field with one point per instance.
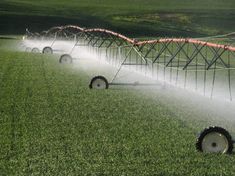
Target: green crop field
point(53, 124)
point(136, 18)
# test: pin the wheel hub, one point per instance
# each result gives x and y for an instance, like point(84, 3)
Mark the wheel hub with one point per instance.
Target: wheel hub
point(66, 59)
point(99, 84)
point(215, 143)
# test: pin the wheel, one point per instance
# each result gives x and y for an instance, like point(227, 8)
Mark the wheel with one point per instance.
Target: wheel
point(28, 49)
point(215, 140)
point(99, 82)
point(47, 50)
point(35, 50)
point(66, 59)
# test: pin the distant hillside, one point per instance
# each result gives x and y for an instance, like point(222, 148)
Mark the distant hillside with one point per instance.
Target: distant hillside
point(133, 17)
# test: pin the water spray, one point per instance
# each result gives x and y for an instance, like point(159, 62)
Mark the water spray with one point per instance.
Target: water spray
point(190, 64)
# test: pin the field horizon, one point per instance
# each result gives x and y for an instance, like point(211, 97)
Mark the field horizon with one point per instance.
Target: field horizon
point(140, 19)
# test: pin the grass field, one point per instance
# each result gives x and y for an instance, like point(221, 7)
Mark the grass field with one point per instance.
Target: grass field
point(52, 124)
point(135, 18)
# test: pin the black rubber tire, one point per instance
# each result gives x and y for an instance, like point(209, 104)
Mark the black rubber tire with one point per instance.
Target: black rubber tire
point(47, 50)
point(101, 78)
point(35, 50)
point(68, 57)
point(220, 130)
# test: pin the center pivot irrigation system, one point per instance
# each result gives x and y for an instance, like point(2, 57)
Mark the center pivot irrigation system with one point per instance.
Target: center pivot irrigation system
point(184, 62)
